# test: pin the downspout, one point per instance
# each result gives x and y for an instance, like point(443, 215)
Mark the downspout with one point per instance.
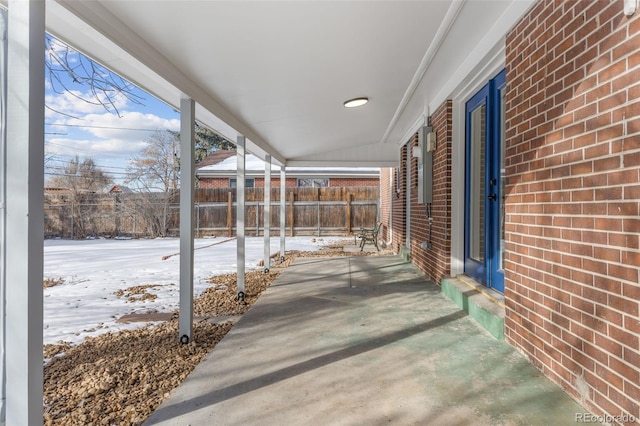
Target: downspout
point(408, 201)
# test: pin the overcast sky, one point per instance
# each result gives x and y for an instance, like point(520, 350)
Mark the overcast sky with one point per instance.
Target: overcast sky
point(76, 127)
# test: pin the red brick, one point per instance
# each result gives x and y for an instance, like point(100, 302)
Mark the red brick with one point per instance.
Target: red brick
point(624, 273)
point(609, 315)
point(596, 353)
point(631, 225)
point(624, 209)
point(607, 254)
point(608, 194)
point(631, 258)
point(624, 337)
point(624, 240)
point(608, 224)
point(628, 372)
point(605, 164)
point(632, 324)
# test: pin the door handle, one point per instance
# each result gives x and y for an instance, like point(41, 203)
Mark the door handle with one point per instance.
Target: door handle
point(492, 197)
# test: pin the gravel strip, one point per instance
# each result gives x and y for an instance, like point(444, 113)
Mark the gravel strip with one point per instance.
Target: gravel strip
point(121, 378)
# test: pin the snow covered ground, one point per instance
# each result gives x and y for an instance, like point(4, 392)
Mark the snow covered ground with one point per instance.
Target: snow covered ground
point(93, 270)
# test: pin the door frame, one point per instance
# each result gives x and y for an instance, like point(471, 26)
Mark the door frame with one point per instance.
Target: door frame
point(489, 270)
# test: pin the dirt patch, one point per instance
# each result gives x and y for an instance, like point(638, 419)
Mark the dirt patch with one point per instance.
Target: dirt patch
point(147, 317)
point(51, 350)
point(120, 378)
point(332, 250)
point(52, 282)
point(220, 298)
point(138, 293)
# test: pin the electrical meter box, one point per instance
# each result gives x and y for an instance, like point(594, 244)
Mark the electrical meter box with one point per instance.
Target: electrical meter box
point(424, 153)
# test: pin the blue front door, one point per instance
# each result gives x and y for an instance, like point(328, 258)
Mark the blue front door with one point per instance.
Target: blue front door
point(484, 187)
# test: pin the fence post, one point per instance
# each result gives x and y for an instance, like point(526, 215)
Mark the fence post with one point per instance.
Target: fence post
point(116, 201)
point(319, 211)
point(349, 198)
point(198, 220)
point(257, 218)
point(230, 213)
point(291, 215)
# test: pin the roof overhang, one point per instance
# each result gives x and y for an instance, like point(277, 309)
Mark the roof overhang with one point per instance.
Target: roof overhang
point(278, 72)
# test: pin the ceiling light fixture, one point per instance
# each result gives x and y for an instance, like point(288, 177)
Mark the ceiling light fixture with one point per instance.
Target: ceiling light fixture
point(355, 102)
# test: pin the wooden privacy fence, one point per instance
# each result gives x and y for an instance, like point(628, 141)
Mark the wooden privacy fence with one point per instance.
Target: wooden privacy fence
point(308, 211)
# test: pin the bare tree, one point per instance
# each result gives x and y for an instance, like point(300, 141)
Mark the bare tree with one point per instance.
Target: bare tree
point(155, 172)
point(66, 66)
point(157, 167)
point(82, 179)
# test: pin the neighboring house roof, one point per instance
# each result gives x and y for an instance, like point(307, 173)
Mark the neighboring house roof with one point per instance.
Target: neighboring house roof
point(55, 190)
point(120, 188)
point(255, 167)
point(215, 157)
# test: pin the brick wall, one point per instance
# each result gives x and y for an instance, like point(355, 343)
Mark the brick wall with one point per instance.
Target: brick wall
point(213, 183)
point(258, 182)
point(337, 182)
point(572, 224)
point(434, 261)
point(291, 182)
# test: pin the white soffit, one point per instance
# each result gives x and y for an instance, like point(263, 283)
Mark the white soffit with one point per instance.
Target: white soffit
point(276, 72)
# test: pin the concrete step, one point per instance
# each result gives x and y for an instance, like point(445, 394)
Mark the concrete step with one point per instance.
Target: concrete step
point(484, 305)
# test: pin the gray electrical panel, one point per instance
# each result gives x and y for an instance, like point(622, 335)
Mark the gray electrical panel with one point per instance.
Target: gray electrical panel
point(426, 146)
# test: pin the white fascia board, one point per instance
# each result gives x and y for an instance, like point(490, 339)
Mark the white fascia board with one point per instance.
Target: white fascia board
point(91, 29)
point(316, 173)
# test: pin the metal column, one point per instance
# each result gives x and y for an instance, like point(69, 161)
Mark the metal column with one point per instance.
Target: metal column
point(24, 212)
point(240, 206)
point(3, 201)
point(283, 215)
point(267, 213)
point(187, 185)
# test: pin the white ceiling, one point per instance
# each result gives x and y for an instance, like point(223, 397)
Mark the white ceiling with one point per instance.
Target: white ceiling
point(278, 72)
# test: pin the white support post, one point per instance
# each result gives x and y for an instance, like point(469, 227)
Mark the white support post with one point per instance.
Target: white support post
point(283, 208)
point(24, 170)
point(187, 190)
point(3, 202)
point(240, 209)
point(267, 213)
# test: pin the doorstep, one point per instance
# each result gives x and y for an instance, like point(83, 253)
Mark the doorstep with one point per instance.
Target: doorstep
point(484, 305)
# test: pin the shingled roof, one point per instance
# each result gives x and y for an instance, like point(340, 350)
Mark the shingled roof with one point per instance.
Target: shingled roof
point(215, 157)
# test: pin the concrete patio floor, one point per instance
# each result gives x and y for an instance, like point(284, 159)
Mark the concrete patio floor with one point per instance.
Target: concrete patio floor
point(362, 340)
